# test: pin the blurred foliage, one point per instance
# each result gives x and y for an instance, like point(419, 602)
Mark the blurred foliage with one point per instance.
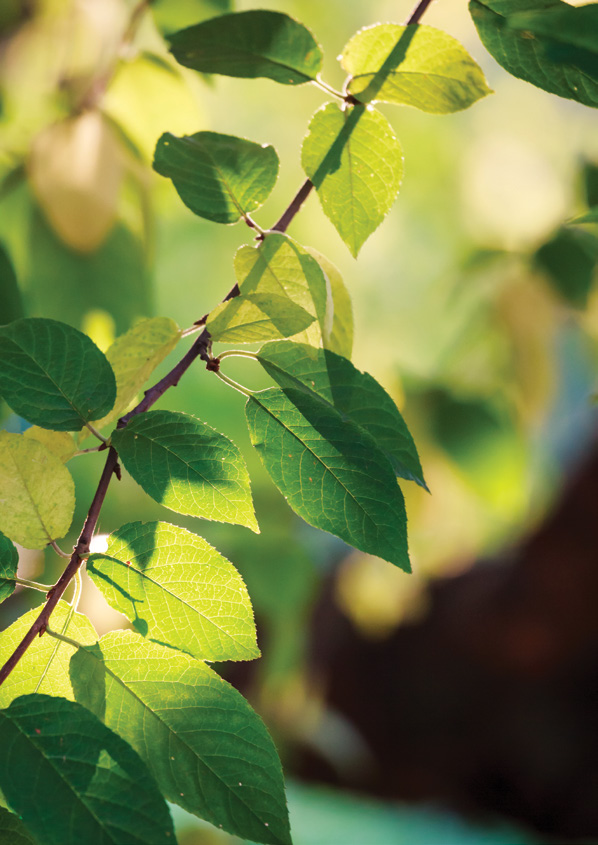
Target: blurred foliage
point(475, 305)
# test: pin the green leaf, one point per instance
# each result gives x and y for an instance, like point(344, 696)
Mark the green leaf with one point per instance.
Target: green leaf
point(219, 177)
point(527, 55)
point(176, 589)
point(9, 561)
point(356, 165)
point(354, 394)
point(53, 374)
point(37, 492)
point(11, 305)
point(134, 356)
point(186, 466)
point(336, 333)
point(590, 216)
point(412, 65)
point(73, 780)
point(250, 44)
point(590, 183)
point(570, 33)
point(207, 749)
point(330, 470)
point(45, 665)
point(569, 261)
point(13, 831)
point(60, 443)
point(283, 290)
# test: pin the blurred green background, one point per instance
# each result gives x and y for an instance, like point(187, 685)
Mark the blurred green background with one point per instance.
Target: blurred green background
point(474, 306)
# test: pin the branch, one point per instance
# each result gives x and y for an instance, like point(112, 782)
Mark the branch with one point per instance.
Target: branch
point(418, 12)
point(111, 467)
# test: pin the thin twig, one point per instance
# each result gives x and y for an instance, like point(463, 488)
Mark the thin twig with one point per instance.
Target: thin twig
point(33, 585)
point(59, 551)
point(96, 433)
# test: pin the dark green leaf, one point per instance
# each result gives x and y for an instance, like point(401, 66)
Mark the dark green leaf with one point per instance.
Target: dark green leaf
point(176, 589)
point(54, 375)
point(356, 165)
point(412, 65)
point(186, 466)
point(36, 490)
point(45, 665)
point(567, 34)
point(330, 470)
point(9, 561)
point(73, 780)
point(569, 261)
point(527, 55)
point(250, 44)
point(590, 216)
point(283, 290)
point(207, 749)
point(219, 177)
point(13, 831)
point(353, 393)
point(11, 306)
point(590, 183)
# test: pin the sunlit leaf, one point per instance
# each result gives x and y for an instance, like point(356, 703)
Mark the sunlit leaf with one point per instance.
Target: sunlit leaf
point(45, 665)
point(135, 355)
point(187, 466)
point(9, 561)
point(412, 65)
point(330, 470)
point(335, 331)
point(250, 44)
point(526, 54)
point(60, 443)
point(54, 375)
point(219, 177)
point(207, 749)
point(356, 165)
point(283, 290)
point(37, 493)
point(354, 394)
point(73, 780)
point(176, 589)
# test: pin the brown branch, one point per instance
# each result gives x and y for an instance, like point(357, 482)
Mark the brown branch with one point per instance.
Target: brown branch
point(200, 349)
point(418, 12)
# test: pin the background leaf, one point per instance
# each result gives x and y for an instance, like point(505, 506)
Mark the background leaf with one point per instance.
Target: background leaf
point(13, 831)
point(331, 471)
point(187, 466)
point(528, 58)
point(282, 274)
point(412, 65)
point(569, 260)
point(135, 355)
point(356, 165)
point(353, 393)
point(53, 374)
point(176, 589)
point(73, 780)
point(44, 667)
point(171, 15)
point(36, 491)
point(11, 305)
point(9, 561)
point(208, 750)
point(219, 177)
point(250, 44)
point(60, 443)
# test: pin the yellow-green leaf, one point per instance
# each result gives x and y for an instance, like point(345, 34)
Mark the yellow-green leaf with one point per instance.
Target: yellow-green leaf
point(412, 65)
point(37, 493)
point(60, 443)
